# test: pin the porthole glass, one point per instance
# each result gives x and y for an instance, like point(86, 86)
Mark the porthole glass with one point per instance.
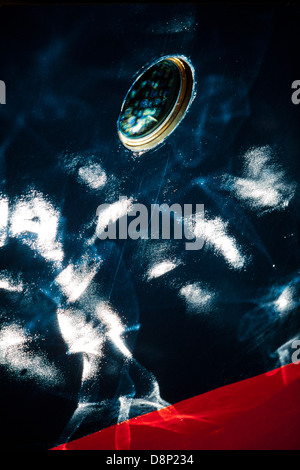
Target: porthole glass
point(155, 103)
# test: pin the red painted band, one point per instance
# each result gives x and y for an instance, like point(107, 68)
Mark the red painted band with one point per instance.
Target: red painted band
point(260, 413)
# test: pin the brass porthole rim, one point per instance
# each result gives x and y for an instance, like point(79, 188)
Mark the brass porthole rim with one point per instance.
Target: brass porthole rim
point(175, 115)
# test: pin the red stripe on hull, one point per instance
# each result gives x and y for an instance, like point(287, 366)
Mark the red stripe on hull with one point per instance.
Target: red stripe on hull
point(260, 413)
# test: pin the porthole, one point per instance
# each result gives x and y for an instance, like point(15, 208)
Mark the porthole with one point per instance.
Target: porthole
point(155, 103)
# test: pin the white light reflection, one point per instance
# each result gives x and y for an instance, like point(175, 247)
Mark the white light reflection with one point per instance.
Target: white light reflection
point(215, 233)
point(93, 176)
point(17, 354)
point(110, 213)
point(33, 214)
point(161, 268)
point(79, 334)
point(264, 184)
point(88, 336)
point(114, 327)
point(8, 283)
point(75, 279)
point(197, 297)
point(3, 219)
point(285, 302)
